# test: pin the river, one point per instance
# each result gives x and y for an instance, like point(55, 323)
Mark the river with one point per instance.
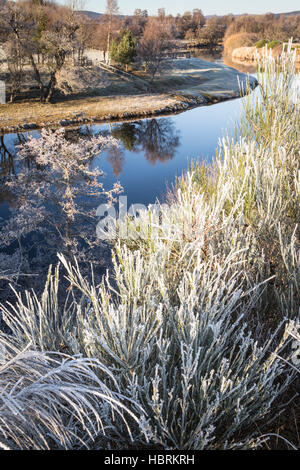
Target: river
point(150, 155)
point(154, 151)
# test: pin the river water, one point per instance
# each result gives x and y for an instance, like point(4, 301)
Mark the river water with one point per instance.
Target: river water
point(154, 151)
point(150, 155)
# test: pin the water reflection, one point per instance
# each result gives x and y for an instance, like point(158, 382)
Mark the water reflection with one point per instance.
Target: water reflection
point(116, 157)
point(220, 58)
point(7, 164)
point(158, 139)
point(48, 200)
point(245, 67)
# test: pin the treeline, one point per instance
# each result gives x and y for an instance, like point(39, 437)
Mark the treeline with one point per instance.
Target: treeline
point(269, 27)
point(190, 26)
point(195, 27)
point(44, 35)
point(261, 30)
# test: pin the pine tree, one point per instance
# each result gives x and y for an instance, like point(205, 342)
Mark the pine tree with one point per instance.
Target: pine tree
point(122, 50)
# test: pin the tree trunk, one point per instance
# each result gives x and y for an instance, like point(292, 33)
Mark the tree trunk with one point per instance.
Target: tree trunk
point(37, 76)
point(108, 38)
point(59, 61)
point(50, 88)
point(108, 46)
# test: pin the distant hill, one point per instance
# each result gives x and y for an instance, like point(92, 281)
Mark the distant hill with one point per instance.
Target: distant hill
point(91, 14)
point(95, 16)
point(290, 13)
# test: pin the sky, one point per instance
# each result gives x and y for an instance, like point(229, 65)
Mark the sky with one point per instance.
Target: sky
point(211, 7)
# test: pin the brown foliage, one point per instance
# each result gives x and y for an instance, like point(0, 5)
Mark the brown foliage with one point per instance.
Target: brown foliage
point(41, 29)
point(156, 39)
point(269, 26)
point(214, 31)
point(239, 40)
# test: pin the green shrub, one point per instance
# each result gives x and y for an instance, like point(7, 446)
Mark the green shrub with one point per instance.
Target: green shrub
point(270, 44)
point(261, 43)
point(122, 50)
point(273, 44)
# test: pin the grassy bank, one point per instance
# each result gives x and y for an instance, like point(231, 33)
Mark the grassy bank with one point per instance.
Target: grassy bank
point(189, 337)
point(96, 96)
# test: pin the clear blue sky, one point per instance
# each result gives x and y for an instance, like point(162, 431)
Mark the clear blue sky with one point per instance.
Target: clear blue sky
point(211, 7)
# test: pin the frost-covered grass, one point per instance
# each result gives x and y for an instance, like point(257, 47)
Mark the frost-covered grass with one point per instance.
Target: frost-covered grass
point(50, 400)
point(182, 327)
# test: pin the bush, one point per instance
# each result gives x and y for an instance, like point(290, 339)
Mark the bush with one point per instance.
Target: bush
point(239, 40)
point(261, 43)
point(52, 401)
point(122, 50)
point(273, 44)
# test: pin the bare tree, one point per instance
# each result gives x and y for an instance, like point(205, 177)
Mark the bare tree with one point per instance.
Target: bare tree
point(15, 67)
point(57, 193)
point(58, 41)
point(161, 13)
point(42, 28)
point(214, 32)
point(156, 40)
point(112, 9)
point(136, 23)
point(18, 27)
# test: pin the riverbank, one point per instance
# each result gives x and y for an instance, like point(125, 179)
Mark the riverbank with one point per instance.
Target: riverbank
point(182, 84)
point(249, 54)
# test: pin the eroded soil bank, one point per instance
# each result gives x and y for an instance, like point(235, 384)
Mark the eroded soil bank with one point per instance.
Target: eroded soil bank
point(249, 54)
point(96, 97)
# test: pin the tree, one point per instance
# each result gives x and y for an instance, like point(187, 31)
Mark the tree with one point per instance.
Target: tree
point(122, 50)
point(15, 67)
point(190, 24)
point(214, 31)
point(18, 31)
point(161, 13)
point(57, 42)
point(42, 28)
point(57, 191)
point(137, 22)
point(156, 40)
point(141, 13)
point(112, 9)
point(198, 17)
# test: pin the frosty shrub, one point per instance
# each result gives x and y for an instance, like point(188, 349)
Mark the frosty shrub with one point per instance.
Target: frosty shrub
point(54, 188)
point(52, 401)
point(184, 321)
point(255, 181)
